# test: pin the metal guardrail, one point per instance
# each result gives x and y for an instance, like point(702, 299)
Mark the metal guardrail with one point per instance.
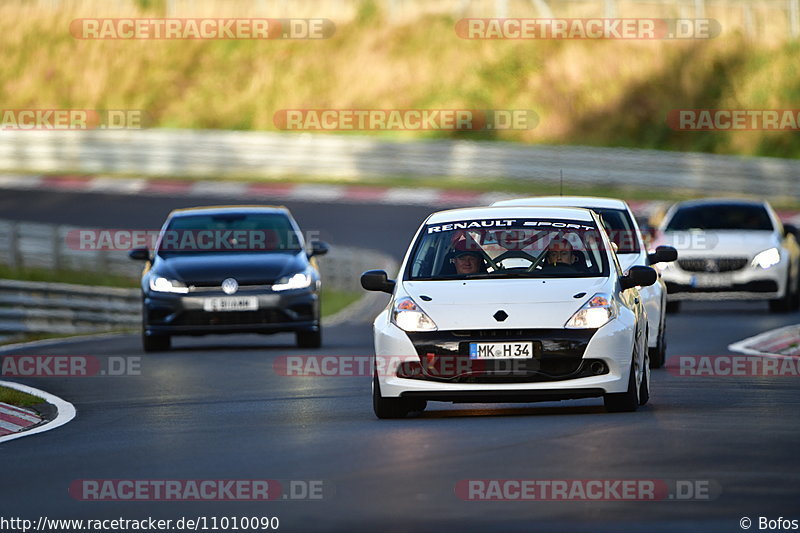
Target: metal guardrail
point(61, 308)
point(46, 246)
point(67, 309)
point(266, 155)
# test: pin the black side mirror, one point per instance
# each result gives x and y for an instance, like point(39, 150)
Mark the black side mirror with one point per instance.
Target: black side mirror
point(641, 276)
point(318, 248)
point(139, 254)
point(663, 254)
point(791, 229)
point(377, 280)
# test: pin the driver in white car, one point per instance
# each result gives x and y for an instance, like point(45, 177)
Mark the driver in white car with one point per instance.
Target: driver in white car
point(468, 262)
point(561, 254)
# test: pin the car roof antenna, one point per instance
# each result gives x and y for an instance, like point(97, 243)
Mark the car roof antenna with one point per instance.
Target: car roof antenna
point(562, 181)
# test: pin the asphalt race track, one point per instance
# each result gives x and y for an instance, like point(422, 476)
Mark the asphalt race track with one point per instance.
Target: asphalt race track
point(215, 408)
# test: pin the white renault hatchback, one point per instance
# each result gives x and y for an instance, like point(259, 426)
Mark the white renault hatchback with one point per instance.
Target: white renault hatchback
point(510, 304)
point(623, 230)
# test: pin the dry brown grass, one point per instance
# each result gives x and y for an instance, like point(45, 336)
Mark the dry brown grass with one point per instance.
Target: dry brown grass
point(612, 92)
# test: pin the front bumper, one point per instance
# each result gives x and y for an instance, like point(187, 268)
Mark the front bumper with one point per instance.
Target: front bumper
point(183, 314)
point(436, 366)
point(749, 283)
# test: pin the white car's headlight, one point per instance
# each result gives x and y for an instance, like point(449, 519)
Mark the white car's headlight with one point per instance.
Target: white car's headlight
point(593, 314)
point(301, 280)
point(159, 284)
point(767, 258)
point(407, 316)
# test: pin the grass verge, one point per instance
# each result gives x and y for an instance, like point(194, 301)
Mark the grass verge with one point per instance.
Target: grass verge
point(334, 300)
point(18, 398)
point(76, 277)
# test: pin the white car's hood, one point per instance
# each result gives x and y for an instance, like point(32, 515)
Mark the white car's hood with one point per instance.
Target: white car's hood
point(529, 303)
point(719, 243)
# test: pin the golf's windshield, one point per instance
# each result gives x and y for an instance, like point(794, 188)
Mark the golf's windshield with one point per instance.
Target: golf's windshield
point(229, 232)
point(508, 248)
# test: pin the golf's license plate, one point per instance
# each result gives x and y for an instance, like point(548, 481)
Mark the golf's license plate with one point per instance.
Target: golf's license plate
point(231, 303)
point(501, 350)
point(712, 280)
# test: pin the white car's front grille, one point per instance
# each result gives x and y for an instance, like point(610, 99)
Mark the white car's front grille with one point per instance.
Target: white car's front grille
point(713, 264)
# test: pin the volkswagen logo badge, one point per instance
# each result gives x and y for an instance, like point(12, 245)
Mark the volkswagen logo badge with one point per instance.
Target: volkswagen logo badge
point(230, 286)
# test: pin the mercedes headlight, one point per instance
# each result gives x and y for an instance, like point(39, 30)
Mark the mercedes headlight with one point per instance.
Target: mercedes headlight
point(767, 258)
point(160, 284)
point(408, 316)
point(597, 312)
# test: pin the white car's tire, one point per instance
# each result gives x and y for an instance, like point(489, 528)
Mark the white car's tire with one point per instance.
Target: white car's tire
point(628, 401)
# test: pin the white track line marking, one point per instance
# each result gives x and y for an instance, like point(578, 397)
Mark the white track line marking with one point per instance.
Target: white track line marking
point(66, 411)
point(16, 412)
point(742, 346)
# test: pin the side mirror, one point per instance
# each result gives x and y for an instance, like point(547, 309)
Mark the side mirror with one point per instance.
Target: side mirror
point(663, 254)
point(139, 254)
point(318, 248)
point(377, 280)
point(791, 229)
point(640, 276)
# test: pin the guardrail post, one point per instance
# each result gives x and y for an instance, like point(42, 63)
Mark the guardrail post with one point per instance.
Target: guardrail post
point(610, 9)
point(543, 9)
point(699, 9)
point(56, 247)
point(13, 246)
point(749, 24)
point(501, 9)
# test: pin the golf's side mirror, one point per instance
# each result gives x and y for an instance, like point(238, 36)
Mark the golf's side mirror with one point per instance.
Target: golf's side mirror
point(377, 280)
point(642, 276)
point(663, 254)
point(318, 248)
point(139, 254)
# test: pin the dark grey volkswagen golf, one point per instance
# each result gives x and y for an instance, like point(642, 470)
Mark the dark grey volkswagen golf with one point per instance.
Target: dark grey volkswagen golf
point(238, 269)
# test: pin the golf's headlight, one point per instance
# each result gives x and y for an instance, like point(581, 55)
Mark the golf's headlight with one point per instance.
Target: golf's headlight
point(767, 258)
point(301, 280)
point(159, 284)
point(407, 316)
point(593, 314)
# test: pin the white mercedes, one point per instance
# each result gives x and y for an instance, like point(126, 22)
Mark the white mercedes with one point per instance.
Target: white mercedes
point(510, 304)
point(731, 249)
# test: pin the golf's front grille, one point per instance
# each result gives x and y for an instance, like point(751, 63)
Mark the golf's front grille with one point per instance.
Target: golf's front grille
point(231, 318)
point(713, 265)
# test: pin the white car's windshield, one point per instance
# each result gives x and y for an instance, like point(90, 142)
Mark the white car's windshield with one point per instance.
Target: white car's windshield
point(493, 248)
point(721, 217)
